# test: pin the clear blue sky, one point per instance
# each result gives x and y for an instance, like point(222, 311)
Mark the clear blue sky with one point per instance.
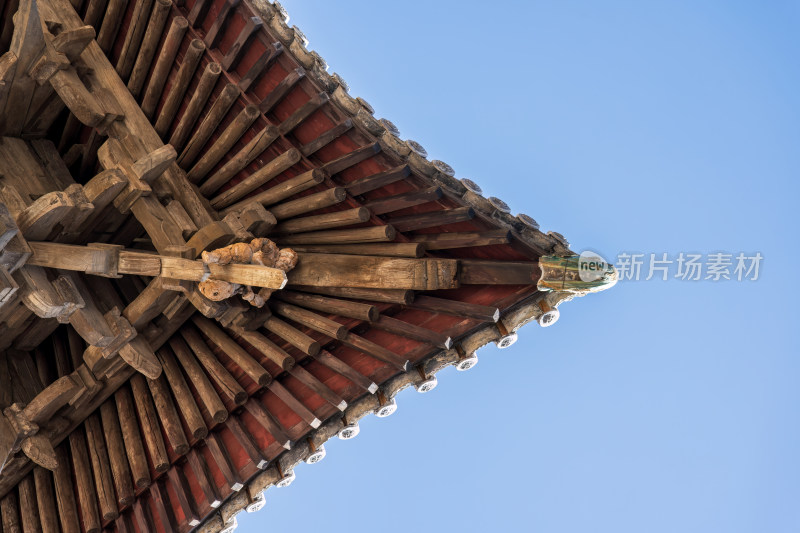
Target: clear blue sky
point(627, 126)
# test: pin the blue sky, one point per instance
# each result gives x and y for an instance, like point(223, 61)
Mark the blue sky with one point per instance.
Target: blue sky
point(657, 406)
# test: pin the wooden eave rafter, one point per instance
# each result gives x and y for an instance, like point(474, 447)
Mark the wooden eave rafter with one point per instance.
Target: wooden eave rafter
point(286, 162)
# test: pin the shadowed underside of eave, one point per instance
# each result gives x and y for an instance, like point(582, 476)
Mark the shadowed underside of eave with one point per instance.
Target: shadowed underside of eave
point(160, 131)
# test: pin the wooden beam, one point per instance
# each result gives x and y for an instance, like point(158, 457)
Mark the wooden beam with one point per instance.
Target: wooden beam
point(351, 159)
point(46, 500)
point(292, 335)
point(375, 350)
point(342, 236)
point(141, 515)
point(222, 460)
point(263, 175)
point(330, 270)
point(266, 347)
point(308, 203)
point(133, 37)
point(446, 241)
point(101, 467)
point(336, 219)
point(260, 66)
point(295, 405)
point(243, 359)
point(432, 219)
point(303, 112)
point(27, 44)
point(226, 383)
point(179, 87)
point(453, 307)
point(209, 125)
point(87, 496)
point(163, 513)
point(200, 469)
point(268, 422)
point(111, 23)
point(65, 494)
point(252, 25)
point(310, 320)
point(30, 506)
point(219, 22)
point(245, 440)
point(333, 306)
point(110, 262)
point(38, 220)
point(149, 44)
point(9, 511)
point(281, 90)
point(388, 249)
point(183, 395)
point(223, 144)
point(319, 388)
point(274, 194)
point(312, 147)
point(168, 415)
point(340, 367)
point(376, 181)
point(205, 391)
point(160, 72)
point(148, 419)
point(412, 331)
point(404, 200)
point(196, 103)
point(8, 69)
point(115, 444)
point(184, 495)
point(479, 272)
point(255, 147)
point(392, 296)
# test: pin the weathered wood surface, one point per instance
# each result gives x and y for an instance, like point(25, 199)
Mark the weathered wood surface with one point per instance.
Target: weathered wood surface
point(101, 468)
point(292, 335)
point(364, 278)
point(196, 103)
point(166, 57)
point(389, 249)
point(336, 219)
point(334, 306)
point(445, 241)
point(183, 395)
point(227, 139)
point(148, 419)
point(226, 383)
point(168, 415)
point(201, 473)
point(339, 366)
point(148, 46)
point(208, 396)
point(310, 319)
point(331, 270)
point(180, 86)
point(112, 261)
point(209, 124)
point(244, 360)
point(115, 444)
point(266, 347)
point(273, 195)
point(245, 440)
point(393, 296)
